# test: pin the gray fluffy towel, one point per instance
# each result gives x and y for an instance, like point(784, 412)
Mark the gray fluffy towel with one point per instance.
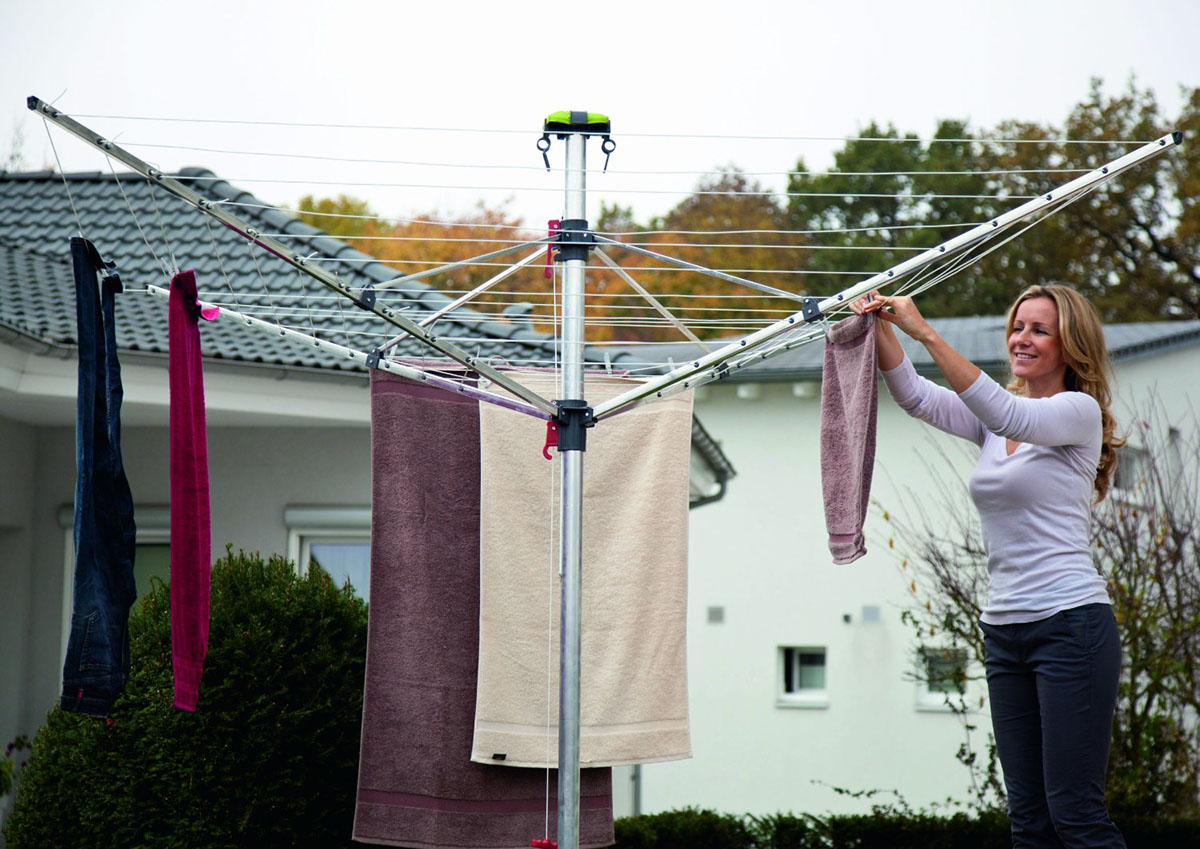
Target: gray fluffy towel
point(849, 404)
point(417, 785)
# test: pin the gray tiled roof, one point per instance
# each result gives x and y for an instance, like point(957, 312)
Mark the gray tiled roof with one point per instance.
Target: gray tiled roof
point(147, 232)
point(36, 296)
point(978, 338)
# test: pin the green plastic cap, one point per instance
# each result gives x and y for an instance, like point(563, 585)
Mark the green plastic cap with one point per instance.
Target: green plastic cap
point(580, 122)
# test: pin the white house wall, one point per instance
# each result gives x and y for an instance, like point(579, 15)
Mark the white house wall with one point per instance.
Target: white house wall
point(17, 473)
point(254, 473)
point(761, 554)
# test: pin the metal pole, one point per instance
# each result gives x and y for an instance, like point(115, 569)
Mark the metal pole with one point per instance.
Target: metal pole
point(571, 522)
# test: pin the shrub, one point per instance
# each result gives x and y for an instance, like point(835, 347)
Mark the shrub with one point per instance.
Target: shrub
point(269, 758)
point(881, 829)
point(690, 827)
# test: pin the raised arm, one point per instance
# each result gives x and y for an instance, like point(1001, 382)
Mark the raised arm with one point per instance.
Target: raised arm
point(917, 396)
point(899, 311)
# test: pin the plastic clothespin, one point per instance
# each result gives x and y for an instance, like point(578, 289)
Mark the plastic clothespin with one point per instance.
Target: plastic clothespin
point(206, 313)
point(551, 439)
point(553, 226)
point(543, 843)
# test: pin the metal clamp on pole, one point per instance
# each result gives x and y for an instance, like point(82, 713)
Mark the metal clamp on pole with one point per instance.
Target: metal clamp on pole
point(574, 418)
point(573, 239)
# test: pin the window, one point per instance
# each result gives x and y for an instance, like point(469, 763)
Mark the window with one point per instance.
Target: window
point(151, 560)
point(338, 539)
point(802, 677)
point(943, 676)
point(1131, 476)
point(151, 556)
point(345, 558)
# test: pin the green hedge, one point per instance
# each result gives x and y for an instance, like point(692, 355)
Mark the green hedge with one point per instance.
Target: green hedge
point(702, 829)
point(270, 757)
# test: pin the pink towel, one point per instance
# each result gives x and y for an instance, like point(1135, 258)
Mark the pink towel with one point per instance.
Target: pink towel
point(191, 536)
point(849, 403)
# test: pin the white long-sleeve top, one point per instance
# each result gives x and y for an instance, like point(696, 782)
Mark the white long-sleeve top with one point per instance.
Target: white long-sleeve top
point(1035, 505)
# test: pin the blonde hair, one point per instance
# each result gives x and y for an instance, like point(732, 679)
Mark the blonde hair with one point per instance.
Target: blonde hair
point(1088, 367)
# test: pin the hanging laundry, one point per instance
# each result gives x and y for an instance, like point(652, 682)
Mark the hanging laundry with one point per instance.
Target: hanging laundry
point(633, 678)
point(416, 784)
point(96, 666)
point(191, 533)
point(849, 405)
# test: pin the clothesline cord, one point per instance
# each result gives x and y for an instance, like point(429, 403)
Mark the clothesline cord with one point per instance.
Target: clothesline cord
point(639, 268)
point(525, 228)
point(488, 241)
point(528, 131)
point(594, 170)
point(607, 190)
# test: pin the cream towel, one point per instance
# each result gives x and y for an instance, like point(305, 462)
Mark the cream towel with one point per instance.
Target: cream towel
point(633, 678)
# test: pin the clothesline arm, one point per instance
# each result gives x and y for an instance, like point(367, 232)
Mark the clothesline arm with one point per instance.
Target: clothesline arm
point(390, 366)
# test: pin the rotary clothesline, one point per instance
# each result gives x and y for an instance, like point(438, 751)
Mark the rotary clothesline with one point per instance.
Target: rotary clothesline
point(783, 325)
point(713, 360)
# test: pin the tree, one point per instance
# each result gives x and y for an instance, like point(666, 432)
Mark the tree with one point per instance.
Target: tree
point(344, 216)
point(865, 199)
point(1132, 245)
point(729, 223)
point(15, 160)
point(1146, 538)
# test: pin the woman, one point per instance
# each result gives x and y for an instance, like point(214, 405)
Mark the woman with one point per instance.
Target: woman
point(1047, 453)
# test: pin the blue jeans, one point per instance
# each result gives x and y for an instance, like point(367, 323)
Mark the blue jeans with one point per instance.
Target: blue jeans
point(1053, 689)
point(97, 662)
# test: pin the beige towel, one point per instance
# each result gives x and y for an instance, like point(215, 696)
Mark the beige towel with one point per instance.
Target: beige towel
point(633, 678)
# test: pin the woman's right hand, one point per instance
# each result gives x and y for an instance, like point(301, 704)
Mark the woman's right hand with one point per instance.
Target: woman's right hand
point(897, 310)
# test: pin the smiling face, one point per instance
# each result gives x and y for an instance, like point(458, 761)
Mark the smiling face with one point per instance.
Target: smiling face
point(1035, 347)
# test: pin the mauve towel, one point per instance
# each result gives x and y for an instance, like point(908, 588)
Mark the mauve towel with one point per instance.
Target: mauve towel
point(849, 404)
point(416, 784)
point(633, 667)
point(191, 535)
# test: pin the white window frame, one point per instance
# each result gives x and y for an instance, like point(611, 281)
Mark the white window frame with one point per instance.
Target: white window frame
point(1123, 494)
point(934, 701)
point(307, 524)
point(806, 699)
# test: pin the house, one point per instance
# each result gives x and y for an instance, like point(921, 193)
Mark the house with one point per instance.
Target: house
point(289, 447)
point(799, 671)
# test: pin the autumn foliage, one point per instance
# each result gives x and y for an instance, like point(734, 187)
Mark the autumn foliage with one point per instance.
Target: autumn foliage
point(1132, 246)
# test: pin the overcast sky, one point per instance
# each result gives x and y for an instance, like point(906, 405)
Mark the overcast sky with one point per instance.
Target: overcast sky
point(660, 70)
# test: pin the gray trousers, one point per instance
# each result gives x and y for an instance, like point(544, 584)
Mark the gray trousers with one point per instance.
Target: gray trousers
point(1053, 689)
